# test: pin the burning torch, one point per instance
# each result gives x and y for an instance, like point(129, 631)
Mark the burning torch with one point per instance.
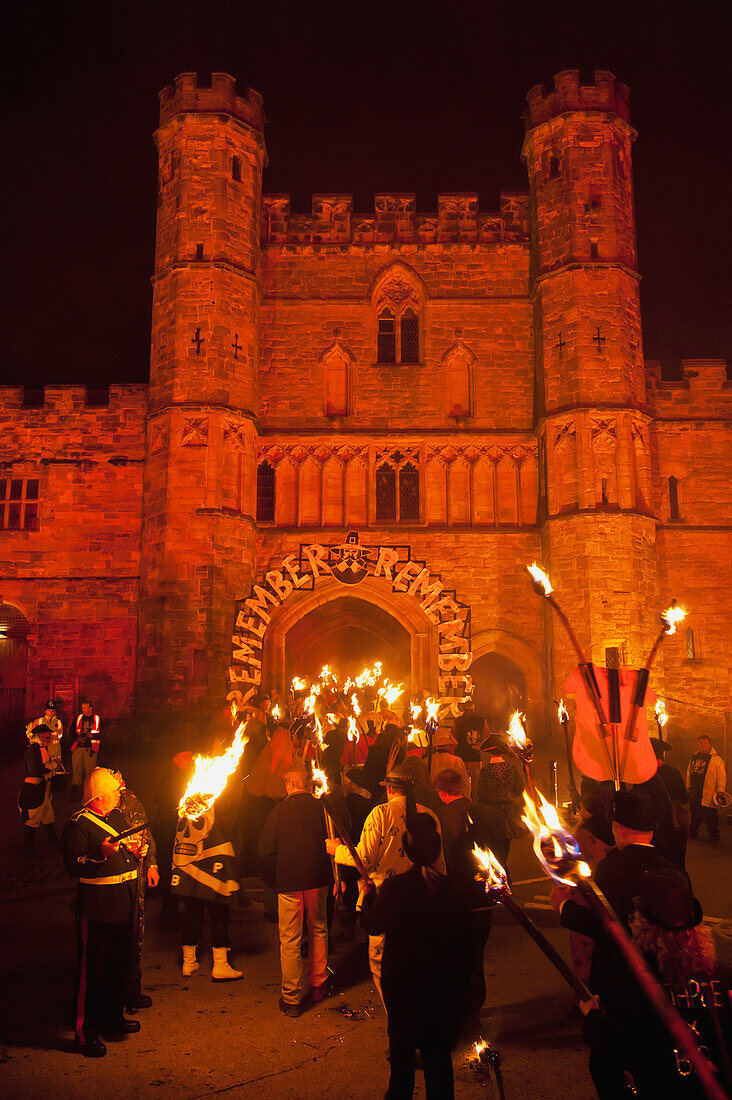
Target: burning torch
point(497, 888)
point(559, 854)
point(563, 719)
point(522, 746)
point(669, 618)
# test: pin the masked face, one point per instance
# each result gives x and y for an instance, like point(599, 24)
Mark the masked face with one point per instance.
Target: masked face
point(190, 836)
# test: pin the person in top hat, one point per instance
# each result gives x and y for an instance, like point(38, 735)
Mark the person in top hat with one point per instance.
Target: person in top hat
point(671, 801)
point(381, 850)
point(421, 922)
point(667, 929)
point(107, 876)
point(34, 799)
point(619, 875)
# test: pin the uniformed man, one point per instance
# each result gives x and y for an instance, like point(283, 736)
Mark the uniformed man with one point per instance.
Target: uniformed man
point(85, 748)
point(107, 874)
point(50, 719)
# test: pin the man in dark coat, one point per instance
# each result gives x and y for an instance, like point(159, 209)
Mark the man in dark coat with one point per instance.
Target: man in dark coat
point(105, 902)
point(670, 806)
point(464, 824)
point(619, 875)
point(422, 970)
point(295, 863)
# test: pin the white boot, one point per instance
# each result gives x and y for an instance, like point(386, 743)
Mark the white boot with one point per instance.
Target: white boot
point(222, 972)
point(190, 966)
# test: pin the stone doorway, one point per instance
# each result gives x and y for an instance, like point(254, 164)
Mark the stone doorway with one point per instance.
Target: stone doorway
point(348, 634)
point(13, 670)
point(499, 688)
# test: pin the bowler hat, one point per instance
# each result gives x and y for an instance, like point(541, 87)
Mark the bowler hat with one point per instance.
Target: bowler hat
point(666, 899)
point(660, 746)
point(399, 776)
point(633, 809)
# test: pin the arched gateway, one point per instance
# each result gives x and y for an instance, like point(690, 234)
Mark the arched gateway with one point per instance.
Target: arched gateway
point(379, 592)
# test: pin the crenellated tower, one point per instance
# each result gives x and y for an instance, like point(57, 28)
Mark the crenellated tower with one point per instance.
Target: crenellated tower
point(590, 398)
point(198, 507)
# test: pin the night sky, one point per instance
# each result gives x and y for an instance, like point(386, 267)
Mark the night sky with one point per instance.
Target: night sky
point(399, 96)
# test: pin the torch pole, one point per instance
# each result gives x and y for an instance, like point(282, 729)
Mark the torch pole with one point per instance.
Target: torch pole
point(580, 989)
point(570, 766)
point(588, 678)
point(346, 840)
point(679, 1031)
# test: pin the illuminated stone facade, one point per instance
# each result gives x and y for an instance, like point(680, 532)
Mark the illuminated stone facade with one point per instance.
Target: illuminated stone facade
point(468, 385)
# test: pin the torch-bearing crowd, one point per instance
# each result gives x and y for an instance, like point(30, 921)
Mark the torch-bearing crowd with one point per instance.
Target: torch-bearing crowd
point(355, 807)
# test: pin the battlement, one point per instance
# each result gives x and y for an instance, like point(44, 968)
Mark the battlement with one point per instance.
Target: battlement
point(74, 399)
point(394, 219)
point(184, 95)
point(606, 94)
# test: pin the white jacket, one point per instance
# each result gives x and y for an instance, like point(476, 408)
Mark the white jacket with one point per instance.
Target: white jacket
point(715, 781)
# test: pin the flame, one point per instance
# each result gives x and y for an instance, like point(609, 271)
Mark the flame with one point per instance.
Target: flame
point(277, 711)
point(671, 616)
point(210, 776)
point(320, 779)
point(354, 704)
point(516, 732)
point(353, 730)
point(562, 713)
point(318, 731)
point(495, 876)
point(661, 714)
point(414, 711)
point(480, 1046)
point(234, 710)
point(332, 718)
point(432, 706)
point(390, 692)
point(540, 578)
point(369, 675)
point(555, 848)
point(325, 674)
point(309, 704)
point(298, 684)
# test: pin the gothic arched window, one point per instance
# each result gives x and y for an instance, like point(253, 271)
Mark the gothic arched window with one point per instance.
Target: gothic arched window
point(409, 332)
point(386, 337)
point(397, 490)
point(409, 492)
point(386, 492)
point(265, 493)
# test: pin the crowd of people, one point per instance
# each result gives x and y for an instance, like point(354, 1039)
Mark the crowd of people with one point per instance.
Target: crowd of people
point(390, 845)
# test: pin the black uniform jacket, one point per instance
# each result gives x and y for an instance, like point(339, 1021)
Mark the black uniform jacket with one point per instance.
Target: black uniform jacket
point(103, 901)
point(292, 845)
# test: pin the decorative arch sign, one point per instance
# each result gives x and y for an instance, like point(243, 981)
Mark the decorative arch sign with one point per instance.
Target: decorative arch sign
point(350, 563)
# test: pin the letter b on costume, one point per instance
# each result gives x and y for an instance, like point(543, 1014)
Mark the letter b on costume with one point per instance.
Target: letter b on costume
point(175, 879)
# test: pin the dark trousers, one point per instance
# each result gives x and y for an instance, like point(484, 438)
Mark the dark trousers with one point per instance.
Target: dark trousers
point(218, 913)
point(133, 970)
point(474, 991)
point(102, 954)
point(704, 815)
point(437, 1065)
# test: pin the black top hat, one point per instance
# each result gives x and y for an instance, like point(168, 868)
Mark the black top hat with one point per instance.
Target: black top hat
point(422, 842)
point(660, 746)
point(399, 776)
point(666, 899)
point(50, 705)
point(633, 809)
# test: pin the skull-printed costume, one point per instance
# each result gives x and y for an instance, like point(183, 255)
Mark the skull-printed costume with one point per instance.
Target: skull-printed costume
point(203, 860)
point(204, 876)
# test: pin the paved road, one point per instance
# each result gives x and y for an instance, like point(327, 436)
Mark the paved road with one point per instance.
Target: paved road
point(203, 1040)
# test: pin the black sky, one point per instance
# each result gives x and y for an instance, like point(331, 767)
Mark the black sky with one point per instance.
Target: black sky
point(360, 98)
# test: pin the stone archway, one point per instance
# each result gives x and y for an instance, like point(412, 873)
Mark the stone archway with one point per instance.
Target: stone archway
point(349, 634)
point(387, 577)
